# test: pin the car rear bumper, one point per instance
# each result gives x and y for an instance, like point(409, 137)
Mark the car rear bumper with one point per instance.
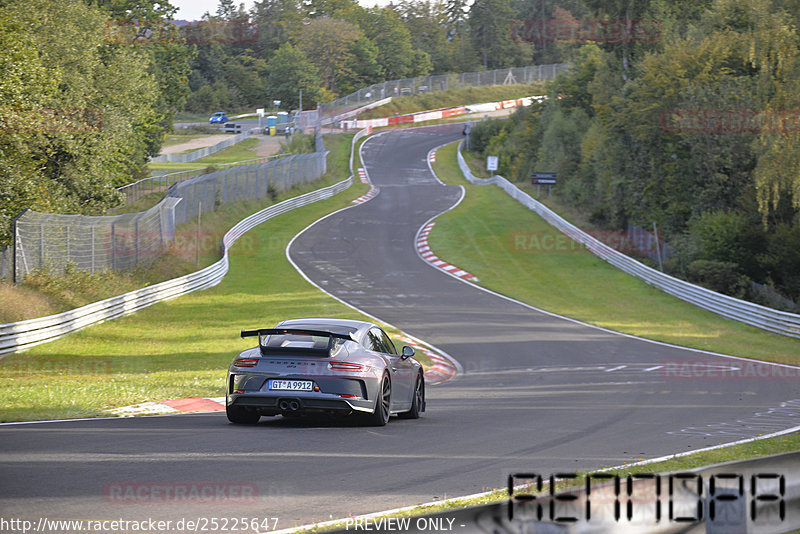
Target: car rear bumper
point(288, 402)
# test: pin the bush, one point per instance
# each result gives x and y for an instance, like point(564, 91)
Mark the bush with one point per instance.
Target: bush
point(481, 134)
point(720, 276)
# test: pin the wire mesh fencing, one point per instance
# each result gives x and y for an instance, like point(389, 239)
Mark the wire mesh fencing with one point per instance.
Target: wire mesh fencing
point(330, 112)
point(125, 242)
point(5, 262)
point(161, 183)
point(202, 152)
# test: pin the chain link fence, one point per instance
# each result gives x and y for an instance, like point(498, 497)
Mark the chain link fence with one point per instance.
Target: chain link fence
point(202, 152)
point(125, 242)
point(330, 112)
point(5, 262)
point(160, 183)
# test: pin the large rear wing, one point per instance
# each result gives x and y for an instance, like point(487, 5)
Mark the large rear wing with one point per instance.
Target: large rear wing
point(316, 349)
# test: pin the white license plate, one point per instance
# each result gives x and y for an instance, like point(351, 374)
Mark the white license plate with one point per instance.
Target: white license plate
point(291, 385)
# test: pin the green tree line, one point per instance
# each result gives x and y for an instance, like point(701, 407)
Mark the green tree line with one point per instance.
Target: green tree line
point(330, 48)
point(89, 88)
point(697, 131)
point(80, 113)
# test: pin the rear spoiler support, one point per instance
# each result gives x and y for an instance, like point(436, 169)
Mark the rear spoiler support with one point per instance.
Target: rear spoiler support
point(262, 332)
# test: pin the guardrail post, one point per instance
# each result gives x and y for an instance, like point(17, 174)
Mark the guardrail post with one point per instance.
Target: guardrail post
point(136, 242)
point(91, 268)
point(14, 245)
point(41, 245)
point(114, 245)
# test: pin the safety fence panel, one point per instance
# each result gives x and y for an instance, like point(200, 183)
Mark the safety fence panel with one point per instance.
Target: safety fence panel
point(18, 336)
point(342, 108)
point(161, 183)
point(128, 241)
point(729, 307)
point(6, 262)
point(15, 337)
point(202, 152)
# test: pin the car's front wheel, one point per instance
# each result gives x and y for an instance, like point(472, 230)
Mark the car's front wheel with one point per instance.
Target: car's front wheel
point(381, 414)
point(241, 416)
point(418, 401)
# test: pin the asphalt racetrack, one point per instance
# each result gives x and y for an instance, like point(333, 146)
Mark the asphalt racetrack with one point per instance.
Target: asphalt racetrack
point(538, 394)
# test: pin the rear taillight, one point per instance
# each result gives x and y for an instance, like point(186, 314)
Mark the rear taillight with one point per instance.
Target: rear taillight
point(245, 362)
point(347, 366)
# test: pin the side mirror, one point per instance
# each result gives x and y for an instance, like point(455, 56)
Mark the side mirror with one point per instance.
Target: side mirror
point(407, 352)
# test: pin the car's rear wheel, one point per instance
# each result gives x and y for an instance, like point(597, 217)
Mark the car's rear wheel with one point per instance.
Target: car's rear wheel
point(381, 414)
point(418, 401)
point(241, 416)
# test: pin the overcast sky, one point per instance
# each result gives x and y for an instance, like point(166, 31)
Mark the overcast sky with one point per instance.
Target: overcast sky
point(194, 9)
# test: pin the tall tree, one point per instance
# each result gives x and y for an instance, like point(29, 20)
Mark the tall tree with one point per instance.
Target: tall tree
point(290, 71)
point(395, 53)
point(88, 127)
point(327, 43)
point(489, 23)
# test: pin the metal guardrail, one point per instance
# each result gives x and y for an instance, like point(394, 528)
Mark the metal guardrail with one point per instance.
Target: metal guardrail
point(756, 315)
point(22, 335)
point(328, 112)
point(25, 334)
point(203, 152)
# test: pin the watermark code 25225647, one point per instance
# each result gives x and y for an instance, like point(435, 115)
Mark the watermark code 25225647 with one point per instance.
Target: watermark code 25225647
point(729, 121)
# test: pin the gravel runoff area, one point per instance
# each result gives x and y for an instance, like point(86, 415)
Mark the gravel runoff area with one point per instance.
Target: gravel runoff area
point(267, 146)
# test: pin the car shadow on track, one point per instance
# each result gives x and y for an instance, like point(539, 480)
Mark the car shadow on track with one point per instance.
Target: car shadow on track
point(310, 421)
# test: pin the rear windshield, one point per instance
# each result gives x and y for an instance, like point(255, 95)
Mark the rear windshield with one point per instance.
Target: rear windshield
point(305, 341)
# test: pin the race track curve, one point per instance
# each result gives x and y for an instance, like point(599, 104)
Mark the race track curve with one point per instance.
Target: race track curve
point(539, 393)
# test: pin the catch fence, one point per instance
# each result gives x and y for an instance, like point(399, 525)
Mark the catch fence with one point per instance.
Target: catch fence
point(160, 183)
point(331, 112)
point(125, 242)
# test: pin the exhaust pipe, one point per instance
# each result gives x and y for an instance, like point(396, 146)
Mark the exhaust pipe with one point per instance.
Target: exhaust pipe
point(289, 405)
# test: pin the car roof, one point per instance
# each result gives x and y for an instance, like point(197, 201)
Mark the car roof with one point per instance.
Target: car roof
point(347, 325)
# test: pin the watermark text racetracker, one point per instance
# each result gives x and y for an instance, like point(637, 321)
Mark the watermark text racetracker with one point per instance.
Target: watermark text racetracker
point(157, 32)
point(729, 121)
point(181, 493)
point(552, 241)
point(714, 369)
point(196, 524)
point(585, 31)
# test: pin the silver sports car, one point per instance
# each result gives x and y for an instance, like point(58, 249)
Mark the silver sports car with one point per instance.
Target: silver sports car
point(328, 366)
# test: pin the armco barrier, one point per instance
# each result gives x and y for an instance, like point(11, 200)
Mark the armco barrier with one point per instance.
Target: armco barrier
point(776, 321)
point(25, 334)
point(202, 152)
point(19, 336)
point(436, 114)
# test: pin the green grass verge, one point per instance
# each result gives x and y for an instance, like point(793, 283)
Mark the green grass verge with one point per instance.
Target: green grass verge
point(46, 293)
point(455, 97)
point(182, 347)
point(239, 152)
point(514, 252)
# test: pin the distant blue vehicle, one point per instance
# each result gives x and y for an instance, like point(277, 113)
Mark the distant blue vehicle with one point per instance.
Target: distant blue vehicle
point(218, 118)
